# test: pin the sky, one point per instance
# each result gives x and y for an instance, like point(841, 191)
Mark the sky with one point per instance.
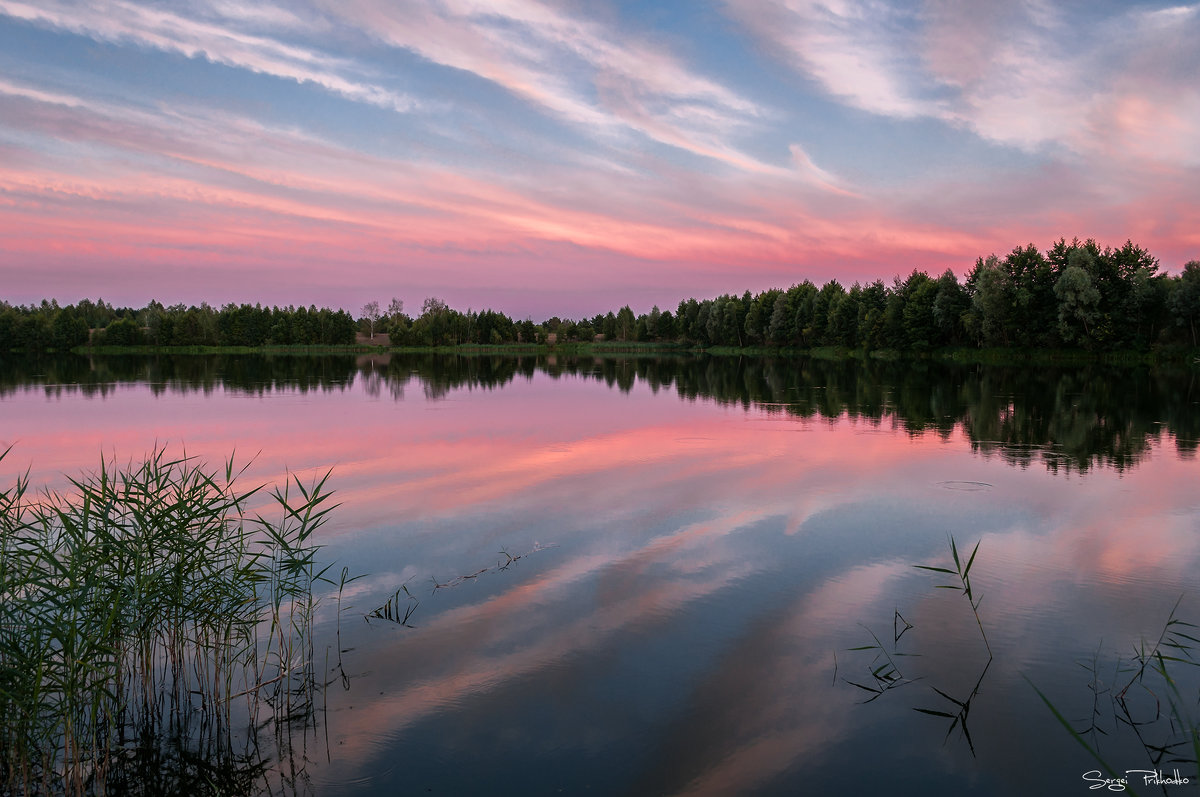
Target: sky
point(566, 158)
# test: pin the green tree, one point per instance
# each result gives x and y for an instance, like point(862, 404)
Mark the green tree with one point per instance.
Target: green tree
point(123, 332)
point(893, 316)
point(781, 329)
point(842, 327)
point(872, 310)
point(759, 315)
point(1078, 304)
point(8, 324)
point(733, 322)
point(666, 327)
point(1032, 315)
point(1147, 306)
point(199, 326)
point(1185, 299)
point(68, 330)
point(754, 323)
point(949, 307)
point(625, 324)
point(1125, 273)
point(652, 319)
point(818, 313)
point(990, 289)
point(608, 327)
point(920, 324)
point(527, 331)
point(436, 325)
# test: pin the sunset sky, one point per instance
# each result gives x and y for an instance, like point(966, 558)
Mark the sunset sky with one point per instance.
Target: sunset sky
point(543, 157)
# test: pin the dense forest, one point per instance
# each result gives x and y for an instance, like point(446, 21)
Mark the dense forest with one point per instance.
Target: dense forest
point(1075, 295)
point(50, 327)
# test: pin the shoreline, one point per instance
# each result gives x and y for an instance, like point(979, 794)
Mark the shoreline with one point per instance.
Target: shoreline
point(963, 355)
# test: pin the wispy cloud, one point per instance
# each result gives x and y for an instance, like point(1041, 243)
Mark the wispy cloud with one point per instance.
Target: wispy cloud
point(859, 50)
point(591, 74)
point(1021, 73)
point(219, 42)
point(534, 133)
point(606, 81)
point(225, 160)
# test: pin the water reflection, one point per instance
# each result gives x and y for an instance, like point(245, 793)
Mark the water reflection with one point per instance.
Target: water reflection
point(719, 529)
point(1142, 697)
point(884, 669)
point(1068, 419)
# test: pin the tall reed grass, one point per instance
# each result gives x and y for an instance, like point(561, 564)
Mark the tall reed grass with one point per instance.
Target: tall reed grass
point(151, 630)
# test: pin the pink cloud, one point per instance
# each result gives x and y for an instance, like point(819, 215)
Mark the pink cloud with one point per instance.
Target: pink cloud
point(1017, 73)
point(189, 189)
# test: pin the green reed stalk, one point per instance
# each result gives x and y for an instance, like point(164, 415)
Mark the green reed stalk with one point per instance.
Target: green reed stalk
point(138, 606)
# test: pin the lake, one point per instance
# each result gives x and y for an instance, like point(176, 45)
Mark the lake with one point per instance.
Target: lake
point(651, 576)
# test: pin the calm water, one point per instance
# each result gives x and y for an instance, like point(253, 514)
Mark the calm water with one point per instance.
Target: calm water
point(700, 545)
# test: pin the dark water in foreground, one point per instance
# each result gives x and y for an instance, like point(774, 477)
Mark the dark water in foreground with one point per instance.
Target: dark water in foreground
point(699, 546)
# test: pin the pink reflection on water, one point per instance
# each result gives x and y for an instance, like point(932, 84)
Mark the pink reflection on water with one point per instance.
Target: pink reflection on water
point(656, 503)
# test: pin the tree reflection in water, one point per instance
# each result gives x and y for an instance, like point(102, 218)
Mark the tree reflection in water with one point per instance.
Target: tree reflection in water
point(1068, 419)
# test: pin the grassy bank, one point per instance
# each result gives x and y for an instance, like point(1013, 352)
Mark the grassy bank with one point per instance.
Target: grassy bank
point(1066, 356)
point(145, 616)
point(987, 356)
point(990, 356)
point(349, 349)
point(473, 348)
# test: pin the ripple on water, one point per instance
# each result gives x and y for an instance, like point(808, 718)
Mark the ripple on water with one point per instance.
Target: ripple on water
point(965, 486)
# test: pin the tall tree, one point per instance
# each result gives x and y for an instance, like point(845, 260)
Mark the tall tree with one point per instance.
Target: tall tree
point(1185, 299)
point(1033, 312)
point(814, 333)
point(842, 328)
point(625, 323)
point(370, 313)
point(990, 289)
point(872, 312)
point(920, 325)
point(1078, 304)
point(948, 308)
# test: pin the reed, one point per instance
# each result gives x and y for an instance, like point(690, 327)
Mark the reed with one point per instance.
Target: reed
point(1152, 700)
point(150, 628)
point(884, 668)
point(963, 573)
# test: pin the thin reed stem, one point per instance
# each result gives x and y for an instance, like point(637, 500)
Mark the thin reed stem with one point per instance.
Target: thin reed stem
point(135, 608)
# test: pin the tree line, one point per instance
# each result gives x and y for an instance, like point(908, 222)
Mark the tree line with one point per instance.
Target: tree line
point(1074, 295)
point(441, 325)
point(50, 327)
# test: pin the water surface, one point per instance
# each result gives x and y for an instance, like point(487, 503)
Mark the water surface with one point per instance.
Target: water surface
point(694, 547)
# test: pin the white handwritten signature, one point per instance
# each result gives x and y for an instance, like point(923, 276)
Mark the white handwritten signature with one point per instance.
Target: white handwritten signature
point(1150, 777)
